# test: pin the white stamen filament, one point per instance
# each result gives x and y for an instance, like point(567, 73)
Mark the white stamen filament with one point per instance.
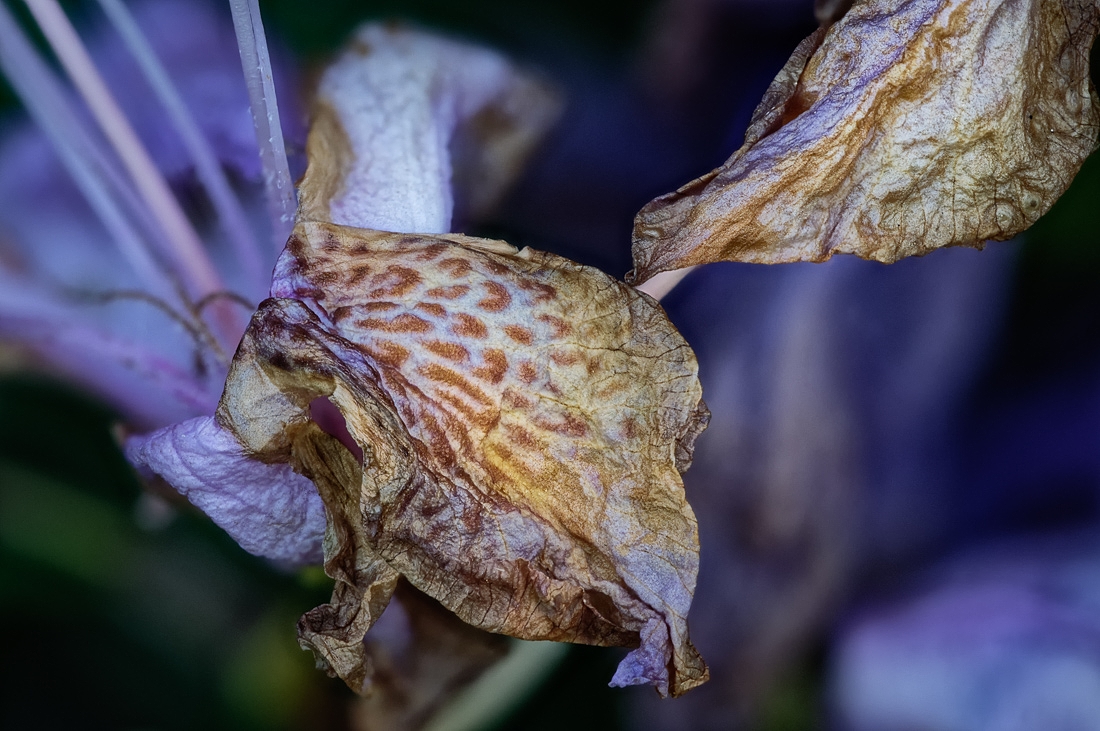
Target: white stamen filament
point(42, 95)
point(256, 62)
point(184, 247)
point(207, 167)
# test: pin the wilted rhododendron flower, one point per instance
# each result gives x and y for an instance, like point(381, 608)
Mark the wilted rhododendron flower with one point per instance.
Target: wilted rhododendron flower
point(517, 422)
point(496, 435)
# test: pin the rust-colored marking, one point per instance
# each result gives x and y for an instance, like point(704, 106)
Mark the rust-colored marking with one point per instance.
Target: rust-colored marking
point(310, 293)
point(498, 298)
point(437, 435)
point(403, 323)
point(517, 468)
point(396, 281)
point(378, 306)
point(469, 414)
point(521, 437)
point(471, 521)
point(469, 326)
point(447, 377)
point(527, 372)
point(629, 428)
point(450, 351)
point(296, 247)
point(520, 334)
point(564, 359)
point(569, 426)
point(432, 308)
point(560, 327)
point(496, 365)
point(542, 292)
point(495, 267)
point(514, 401)
point(592, 366)
point(613, 387)
point(388, 354)
point(456, 267)
point(452, 292)
point(431, 251)
point(359, 274)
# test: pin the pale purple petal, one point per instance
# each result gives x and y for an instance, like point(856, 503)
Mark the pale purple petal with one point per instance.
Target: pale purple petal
point(270, 510)
point(1006, 640)
point(400, 96)
point(128, 353)
point(647, 665)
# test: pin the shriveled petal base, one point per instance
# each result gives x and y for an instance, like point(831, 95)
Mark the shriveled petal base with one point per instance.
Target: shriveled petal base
point(523, 421)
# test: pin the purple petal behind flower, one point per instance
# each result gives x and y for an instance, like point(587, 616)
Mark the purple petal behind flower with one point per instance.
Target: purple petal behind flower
point(270, 510)
point(1005, 640)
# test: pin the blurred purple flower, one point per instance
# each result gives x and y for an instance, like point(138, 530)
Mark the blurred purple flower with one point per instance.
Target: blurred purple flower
point(67, 294)
point(835, 389)
point(72, 298)
point(1003, 639)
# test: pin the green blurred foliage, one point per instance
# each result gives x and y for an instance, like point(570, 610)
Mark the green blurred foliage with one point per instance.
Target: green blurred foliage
point(125, 612)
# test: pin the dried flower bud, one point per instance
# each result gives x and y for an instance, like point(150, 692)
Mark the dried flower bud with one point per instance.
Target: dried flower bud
point(523, 421)
point(905, 127)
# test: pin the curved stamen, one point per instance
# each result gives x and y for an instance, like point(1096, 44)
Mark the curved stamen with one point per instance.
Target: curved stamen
point(196, 329)
point(207, 167)
point(103, 186)
point(228, 296)
point(185, 249)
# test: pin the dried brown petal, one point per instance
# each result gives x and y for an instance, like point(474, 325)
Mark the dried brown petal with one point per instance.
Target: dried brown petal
point(523, 421)
point(906, 126)
point(420, 655)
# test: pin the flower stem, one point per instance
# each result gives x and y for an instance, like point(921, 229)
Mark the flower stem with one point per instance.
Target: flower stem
point(661, 284)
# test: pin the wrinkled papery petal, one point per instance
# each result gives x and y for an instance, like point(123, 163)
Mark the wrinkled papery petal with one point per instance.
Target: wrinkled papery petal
point(907, 126)
point(523, 421)
point(268, 509)
point(401, 108)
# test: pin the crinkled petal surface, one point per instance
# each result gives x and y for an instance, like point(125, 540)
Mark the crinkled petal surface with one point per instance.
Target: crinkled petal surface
point(270, 510)
point(404, 119)
point(523, 422)
point(907, 126)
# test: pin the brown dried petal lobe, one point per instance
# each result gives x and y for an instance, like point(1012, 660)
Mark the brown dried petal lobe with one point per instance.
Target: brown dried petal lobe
point(420, 655)
point(523, 473)
point(904, 127)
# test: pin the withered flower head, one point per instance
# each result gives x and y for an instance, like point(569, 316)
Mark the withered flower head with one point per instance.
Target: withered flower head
point(906, 126)
point(518, 422)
